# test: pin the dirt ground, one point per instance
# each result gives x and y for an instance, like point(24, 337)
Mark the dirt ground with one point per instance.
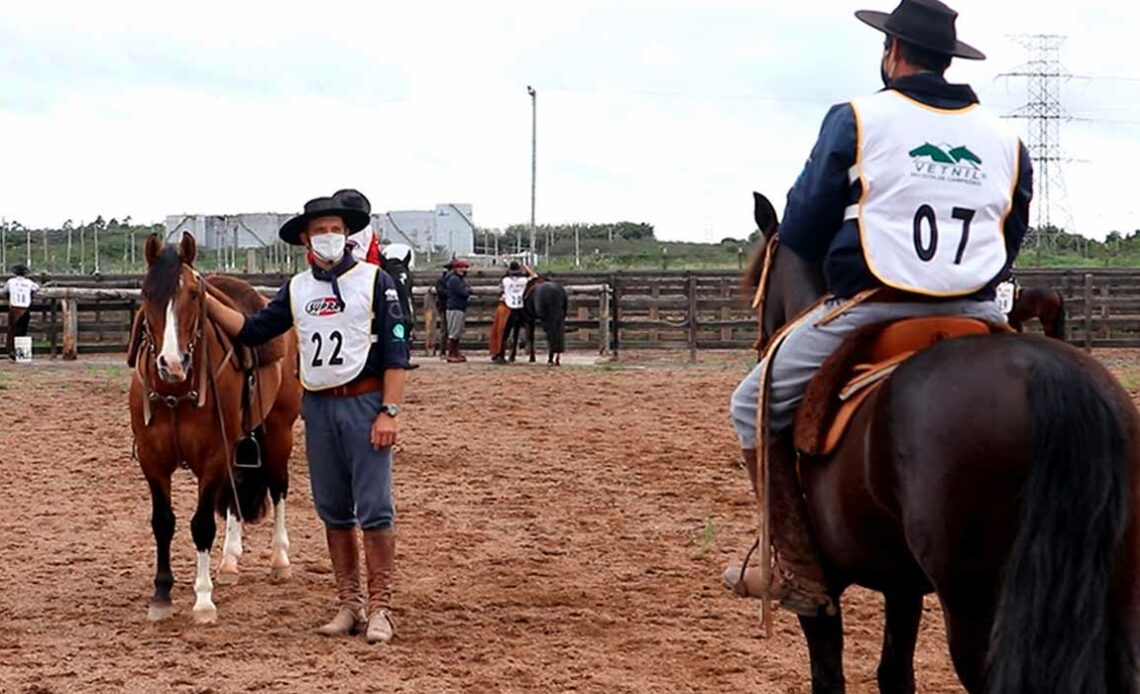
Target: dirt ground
point(559, 530)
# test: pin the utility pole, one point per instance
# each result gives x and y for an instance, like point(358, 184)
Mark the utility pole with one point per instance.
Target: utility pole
point(533, 162)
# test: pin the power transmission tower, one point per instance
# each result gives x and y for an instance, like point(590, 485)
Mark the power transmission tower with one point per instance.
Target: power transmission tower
point(1044, 112)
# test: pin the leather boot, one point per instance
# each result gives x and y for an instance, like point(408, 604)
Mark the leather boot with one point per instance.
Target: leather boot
point(380, 558)
point(798, 580)
point(454, 356)
point(349, 618)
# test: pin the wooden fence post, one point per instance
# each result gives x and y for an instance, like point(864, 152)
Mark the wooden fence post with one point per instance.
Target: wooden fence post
point(1088, 312)
point(70, 329)
point(692, 294)
point(616, 312)
point(604, 319)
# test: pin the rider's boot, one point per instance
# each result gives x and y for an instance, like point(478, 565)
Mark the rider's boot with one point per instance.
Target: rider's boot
point(798, 579)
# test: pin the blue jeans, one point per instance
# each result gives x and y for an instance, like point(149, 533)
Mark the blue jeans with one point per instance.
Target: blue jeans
point(352, 482)
point(808, 346)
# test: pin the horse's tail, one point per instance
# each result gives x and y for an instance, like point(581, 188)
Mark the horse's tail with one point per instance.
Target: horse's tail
point(252, 485)
point(1055, 629)
point(1058, 330)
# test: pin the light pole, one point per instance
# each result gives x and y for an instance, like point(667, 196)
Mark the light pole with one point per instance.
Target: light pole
point(533, 160)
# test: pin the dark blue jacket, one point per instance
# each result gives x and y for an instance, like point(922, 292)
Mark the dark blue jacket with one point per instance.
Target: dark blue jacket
point(457, 292)
point(389, 351)
point(813, 225)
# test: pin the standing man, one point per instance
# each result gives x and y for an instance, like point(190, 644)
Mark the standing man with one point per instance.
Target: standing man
point(441, 305)
point(353, 354)
point(458, 292)
point(514, 288)
point(364, 244)
point(914, 199)
point(20, 292)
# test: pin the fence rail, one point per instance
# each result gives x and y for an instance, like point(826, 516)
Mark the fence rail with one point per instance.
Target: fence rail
point(609, 312)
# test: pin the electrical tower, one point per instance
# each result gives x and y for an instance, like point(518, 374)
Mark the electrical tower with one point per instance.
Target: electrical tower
point(1044, 75)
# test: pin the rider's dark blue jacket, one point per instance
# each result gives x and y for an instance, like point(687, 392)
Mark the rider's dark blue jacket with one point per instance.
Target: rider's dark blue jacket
point(813, 224)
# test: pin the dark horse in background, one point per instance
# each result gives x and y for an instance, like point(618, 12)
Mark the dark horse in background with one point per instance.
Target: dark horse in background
point(1046, 305)
point(190, 406)
point(547, 302)
point(998, 472)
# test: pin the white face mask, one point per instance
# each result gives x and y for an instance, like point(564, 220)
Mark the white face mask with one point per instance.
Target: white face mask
point(328, 247)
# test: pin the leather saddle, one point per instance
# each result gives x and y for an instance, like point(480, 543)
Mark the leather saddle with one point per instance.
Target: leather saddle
point(861, 366)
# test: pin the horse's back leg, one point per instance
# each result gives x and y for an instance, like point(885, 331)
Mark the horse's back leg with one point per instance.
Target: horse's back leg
point(824, 636)
point(968, 633)
point(203, 528)
point(278, 447)
point(530, 339)
point(162, 523)
point(231, 551)
point(896, 668)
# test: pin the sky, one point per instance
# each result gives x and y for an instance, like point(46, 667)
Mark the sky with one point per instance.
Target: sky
point(669, 113)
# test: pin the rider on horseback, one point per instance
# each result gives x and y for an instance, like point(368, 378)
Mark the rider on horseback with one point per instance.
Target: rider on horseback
point(915, 200)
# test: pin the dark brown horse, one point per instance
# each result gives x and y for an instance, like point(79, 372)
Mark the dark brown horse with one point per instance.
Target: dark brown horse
point(998, 472)
point(1046, 305)
point(189, 407)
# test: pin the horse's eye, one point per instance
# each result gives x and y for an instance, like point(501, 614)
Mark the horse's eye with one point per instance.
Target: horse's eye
point(194, 294)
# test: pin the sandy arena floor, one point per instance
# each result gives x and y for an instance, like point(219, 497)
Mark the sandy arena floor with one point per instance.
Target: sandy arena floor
point(559, 529)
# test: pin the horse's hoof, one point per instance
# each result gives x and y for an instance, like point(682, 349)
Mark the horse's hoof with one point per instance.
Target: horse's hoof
point(227, 578)
point(159, 613)
point(205, 615)
point(280, 574)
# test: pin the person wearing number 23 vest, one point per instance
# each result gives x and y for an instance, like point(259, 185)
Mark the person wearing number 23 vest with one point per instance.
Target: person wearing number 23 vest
point(915, 196)
point(353, 349)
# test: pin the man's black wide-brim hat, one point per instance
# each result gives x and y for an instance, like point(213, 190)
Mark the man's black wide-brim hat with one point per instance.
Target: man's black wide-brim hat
point(355, 218)
point(925, 23)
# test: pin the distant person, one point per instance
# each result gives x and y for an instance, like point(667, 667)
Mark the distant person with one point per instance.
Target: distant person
point(20, 292)
point(364, 243)
point(441, 306)
point(514, 289)
point(458, 292)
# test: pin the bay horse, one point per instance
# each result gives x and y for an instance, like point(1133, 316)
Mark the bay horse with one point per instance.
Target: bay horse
point(1046, 305)
point(998, 472)
point(189, 407)
point(547, 302)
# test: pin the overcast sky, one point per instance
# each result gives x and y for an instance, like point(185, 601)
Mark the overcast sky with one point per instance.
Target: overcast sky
point(662, 112)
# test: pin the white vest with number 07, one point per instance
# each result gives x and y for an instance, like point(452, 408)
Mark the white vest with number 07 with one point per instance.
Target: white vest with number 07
point(937, 188)
point(333, 342)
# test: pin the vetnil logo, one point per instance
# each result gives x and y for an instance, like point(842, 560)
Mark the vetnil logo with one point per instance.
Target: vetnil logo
point(946, 163)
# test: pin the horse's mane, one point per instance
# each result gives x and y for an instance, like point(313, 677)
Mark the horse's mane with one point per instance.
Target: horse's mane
point(161, 281)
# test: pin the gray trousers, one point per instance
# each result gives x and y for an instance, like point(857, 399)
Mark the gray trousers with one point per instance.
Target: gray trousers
point(456, 322)
point(352, 482)
point(807, 347)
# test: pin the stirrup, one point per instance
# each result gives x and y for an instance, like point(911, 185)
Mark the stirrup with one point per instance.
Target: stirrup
point(247, 453)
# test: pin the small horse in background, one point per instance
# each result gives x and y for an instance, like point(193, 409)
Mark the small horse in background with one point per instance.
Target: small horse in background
point(547, 302)
point(198, 400)
point(1046, 305)
point(999, 472)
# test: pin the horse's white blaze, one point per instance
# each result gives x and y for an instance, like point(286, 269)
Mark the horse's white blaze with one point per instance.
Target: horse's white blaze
point(280, 558)
point(232, 549)
point(204, 608)
point(169, 352)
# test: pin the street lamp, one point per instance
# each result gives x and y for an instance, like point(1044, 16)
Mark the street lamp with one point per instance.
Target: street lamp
point(533, 160)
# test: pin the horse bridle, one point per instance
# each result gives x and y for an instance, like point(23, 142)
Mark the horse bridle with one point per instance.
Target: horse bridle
point(195, 395)
point(761, 295)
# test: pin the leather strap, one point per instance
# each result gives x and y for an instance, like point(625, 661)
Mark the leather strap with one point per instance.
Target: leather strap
point(365, 384)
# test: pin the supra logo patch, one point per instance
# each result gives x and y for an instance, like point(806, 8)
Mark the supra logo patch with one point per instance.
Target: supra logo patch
point(324, 306)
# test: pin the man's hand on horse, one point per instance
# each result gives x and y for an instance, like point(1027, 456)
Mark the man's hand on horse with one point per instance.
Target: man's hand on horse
point(383, 431)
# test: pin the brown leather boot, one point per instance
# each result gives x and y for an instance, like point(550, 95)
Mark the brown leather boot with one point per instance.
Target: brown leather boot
point(798, 580)
point(453, 354)
point(349, 618)
point(380, 558)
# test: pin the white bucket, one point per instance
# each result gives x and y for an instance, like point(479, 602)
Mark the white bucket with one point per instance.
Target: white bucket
point(23, 349)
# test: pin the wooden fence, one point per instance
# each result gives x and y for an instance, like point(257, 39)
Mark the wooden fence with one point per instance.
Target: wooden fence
point(609, 312)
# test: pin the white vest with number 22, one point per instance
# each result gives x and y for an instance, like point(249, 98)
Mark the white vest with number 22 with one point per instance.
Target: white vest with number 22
point(937, 187)
point(333, 342)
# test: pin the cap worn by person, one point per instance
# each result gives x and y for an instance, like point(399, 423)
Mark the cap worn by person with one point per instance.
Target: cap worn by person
point(927, 24)
point(460, 264)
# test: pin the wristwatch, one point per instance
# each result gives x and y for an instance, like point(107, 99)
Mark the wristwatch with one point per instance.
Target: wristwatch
point(390, 410)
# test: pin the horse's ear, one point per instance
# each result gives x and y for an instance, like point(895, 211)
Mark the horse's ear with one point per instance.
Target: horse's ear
point(153, 246)
point(188, 249)
point(764, 214)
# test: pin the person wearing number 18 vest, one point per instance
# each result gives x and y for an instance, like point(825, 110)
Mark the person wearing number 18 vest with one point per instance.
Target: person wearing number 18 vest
point(915, 197)
point(353, 354)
